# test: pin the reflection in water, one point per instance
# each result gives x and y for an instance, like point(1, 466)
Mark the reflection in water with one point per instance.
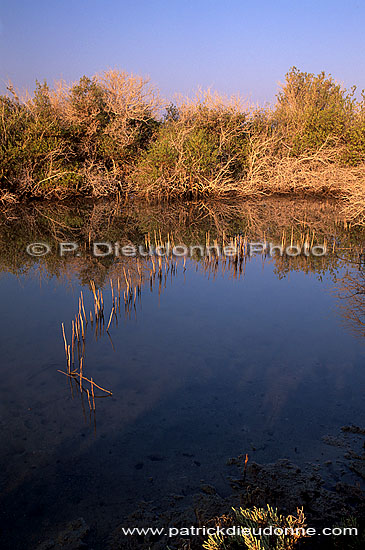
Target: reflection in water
point(245, 351)
point(129, 276)
point(350, 289)
point(270, 220)
point(75, 369)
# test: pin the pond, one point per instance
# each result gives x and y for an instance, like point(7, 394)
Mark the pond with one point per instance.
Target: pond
point(205, 358)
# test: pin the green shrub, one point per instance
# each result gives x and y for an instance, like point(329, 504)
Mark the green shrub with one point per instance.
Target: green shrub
point(201, 148)
point(106, 134)
point(313, 110)
point(74, 138)
point(34, 145)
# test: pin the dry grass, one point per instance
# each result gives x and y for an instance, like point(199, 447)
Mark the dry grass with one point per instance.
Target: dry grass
point(107, 135)
point(199, 152)
point(76, 139)
point(7, 198)
point(248, 159)
point(316, 174)
point(353, 197)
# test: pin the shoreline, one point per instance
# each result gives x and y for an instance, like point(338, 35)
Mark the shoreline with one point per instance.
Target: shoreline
point(114, 135)
point(10, 200)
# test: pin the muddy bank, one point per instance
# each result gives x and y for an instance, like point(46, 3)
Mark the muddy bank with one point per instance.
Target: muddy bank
point(283, 484)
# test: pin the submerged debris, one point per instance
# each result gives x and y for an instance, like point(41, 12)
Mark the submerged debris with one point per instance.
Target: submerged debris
point(71, 538)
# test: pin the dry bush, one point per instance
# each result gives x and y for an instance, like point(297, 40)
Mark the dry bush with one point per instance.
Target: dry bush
point(274, 169)
point(200, 150)
point(111, 110)
point(209, 105)
point(98, 181)
point(7, 198)
point(353, 197)
point(80, 138)
point(106, 134)
point(128, 99)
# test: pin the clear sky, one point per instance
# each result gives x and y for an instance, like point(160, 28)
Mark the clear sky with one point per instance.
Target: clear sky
point(234, 46)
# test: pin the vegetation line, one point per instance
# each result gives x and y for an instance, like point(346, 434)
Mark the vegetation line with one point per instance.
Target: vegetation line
point(113, 134)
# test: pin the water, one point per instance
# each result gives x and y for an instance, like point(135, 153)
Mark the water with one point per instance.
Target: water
point(210, 364)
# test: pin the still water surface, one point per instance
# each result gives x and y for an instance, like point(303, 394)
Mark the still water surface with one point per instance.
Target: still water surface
point(216, 364)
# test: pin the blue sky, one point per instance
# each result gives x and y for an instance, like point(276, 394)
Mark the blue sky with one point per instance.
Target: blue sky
point(235, 46)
